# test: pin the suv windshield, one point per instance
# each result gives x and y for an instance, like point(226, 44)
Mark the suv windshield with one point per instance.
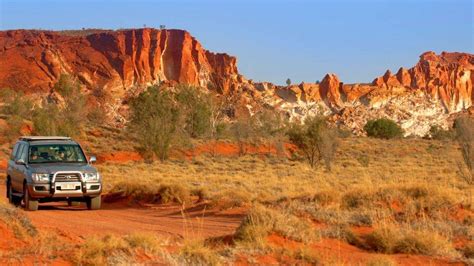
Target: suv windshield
point(56, 153)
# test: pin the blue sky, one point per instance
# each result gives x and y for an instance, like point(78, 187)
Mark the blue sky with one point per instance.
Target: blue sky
point(276, 40)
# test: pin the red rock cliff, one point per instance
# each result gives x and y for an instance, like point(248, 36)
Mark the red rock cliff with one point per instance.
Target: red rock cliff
point(448, 77)
point(113, 60)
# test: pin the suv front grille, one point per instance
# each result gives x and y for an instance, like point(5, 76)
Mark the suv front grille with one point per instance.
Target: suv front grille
point(68, 177)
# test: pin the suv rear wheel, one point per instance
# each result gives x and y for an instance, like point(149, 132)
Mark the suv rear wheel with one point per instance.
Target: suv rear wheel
point(93, 203)
point(30, 204)
point(15, 200)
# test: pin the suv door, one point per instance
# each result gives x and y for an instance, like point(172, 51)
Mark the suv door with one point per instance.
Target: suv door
point(18, 169)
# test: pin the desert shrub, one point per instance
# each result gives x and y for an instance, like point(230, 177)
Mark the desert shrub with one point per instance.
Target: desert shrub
point(390, 239)
point(262, 221)
point(341, 232)
point(315, 140)
point(195, 106)
point(383, 128)
point(364, 160)
point(66, 86)
point(327, 197)
point(65, 117)
point(97, 116)
point(344, 133)
point(17, 221)
point(230, 199)
point(468, 250)
point(152, 192)
point(113, 250)
point(17, 108)
point(45, 120)
point(382, 239)
point(154, 120)
point(196, 252)
point(465, 136)
point(269, 123)
point(424, 242)
point(243, 132)
point(174, 193)
point(436, 132)
point(307, 256)
point(147, 242)
point(15, 104)
point(13, 130)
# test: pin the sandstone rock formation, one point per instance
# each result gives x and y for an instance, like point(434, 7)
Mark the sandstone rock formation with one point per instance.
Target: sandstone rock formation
point(113, 60)
point(123, 60)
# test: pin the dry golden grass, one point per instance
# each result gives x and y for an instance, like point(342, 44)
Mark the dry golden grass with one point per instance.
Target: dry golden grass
point(408, 190)
point(395, 162)
point(17, 221)
point(118, 250)
point(415, 186)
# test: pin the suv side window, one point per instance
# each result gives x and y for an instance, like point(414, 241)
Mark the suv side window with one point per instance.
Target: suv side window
point(24, 153)
point(19, 151)
point(15, 149)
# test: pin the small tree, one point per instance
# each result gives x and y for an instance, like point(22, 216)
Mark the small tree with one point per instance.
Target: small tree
point(315, 140)
point(464, 127)
point(436, 132)
point(383, 128)
point(17, 108)
point(67, 119)
point(288, 82)
point(196, 109)
point(242, 131)
point(154, 119)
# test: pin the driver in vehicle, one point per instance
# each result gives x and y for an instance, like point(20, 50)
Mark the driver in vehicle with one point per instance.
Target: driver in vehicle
point(34, 155)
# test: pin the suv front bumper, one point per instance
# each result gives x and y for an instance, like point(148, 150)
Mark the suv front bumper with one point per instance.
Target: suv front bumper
point(65, 184)
point(39, 191)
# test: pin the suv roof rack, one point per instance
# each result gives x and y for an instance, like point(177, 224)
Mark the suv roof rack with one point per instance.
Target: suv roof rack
point(38, 138)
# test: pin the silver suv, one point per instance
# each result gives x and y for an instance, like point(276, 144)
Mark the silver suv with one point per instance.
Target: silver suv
point(44, 169)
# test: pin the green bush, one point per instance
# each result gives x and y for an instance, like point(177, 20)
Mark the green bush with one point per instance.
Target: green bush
point(66, 117)
point(196, 109)
point(383, 128)
point(16, 104)
point(436, 132)
point(315, 140)
point(464, 127)
point(155, 120)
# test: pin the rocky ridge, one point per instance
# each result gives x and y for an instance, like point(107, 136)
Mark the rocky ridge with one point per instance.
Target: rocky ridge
point(124, 61)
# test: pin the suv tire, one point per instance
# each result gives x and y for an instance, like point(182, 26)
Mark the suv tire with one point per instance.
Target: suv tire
point(93, 203)
point(30, 204)
point(12, 199)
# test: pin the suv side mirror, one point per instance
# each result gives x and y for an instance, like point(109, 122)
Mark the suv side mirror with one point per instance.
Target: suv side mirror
point(20, 162)
point(92, 159)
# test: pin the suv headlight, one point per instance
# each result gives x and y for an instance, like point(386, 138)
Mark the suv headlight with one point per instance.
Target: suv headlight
point(90, 177)
point(40, 177)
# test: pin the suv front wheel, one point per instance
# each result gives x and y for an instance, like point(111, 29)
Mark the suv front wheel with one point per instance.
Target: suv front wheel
point(93, 203)
point(12, 199)
point(30, 204)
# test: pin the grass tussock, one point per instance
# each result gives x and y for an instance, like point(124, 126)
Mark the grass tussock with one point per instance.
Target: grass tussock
point(392, 239)
point(113, 250)
point(196, 252)
point(261, 221)
point(468, 250)
point(152, 192)
point(230, 199)
point(17, 221)
point(416, 199)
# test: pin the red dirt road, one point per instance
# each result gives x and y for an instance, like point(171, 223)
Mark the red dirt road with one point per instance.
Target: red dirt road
point(120, 218)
